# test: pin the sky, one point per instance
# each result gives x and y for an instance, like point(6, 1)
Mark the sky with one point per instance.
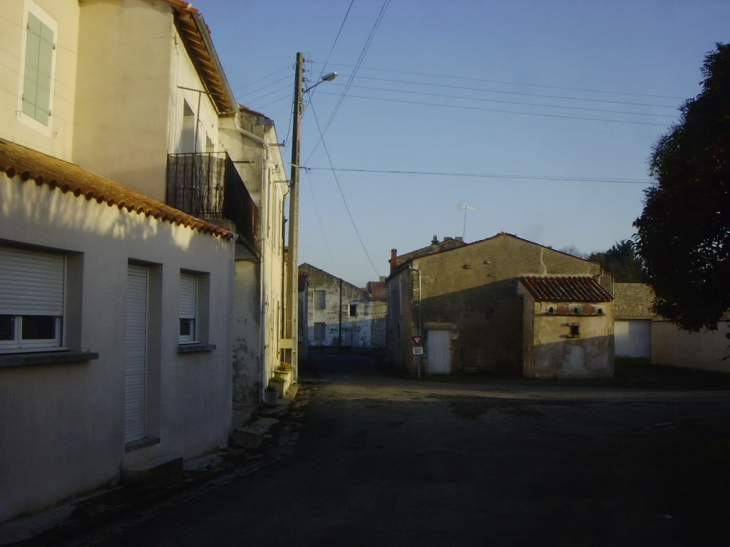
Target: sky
point(467, 118)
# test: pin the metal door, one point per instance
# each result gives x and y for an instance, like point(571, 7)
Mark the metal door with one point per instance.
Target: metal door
point(439, 351)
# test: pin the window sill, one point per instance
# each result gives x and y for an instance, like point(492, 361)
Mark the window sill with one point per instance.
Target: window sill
point(141, 443)
point(49, 358)
point(195, 348)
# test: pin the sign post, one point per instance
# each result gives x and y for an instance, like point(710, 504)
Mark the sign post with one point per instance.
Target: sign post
point(418, 350)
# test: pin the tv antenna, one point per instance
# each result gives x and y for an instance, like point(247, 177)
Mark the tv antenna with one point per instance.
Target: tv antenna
point(466, 210)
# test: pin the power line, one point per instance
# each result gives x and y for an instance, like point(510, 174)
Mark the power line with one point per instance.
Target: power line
point(324, 66)
point(503, 82)
point(359, 61)
point(501, 111)
point(261, 79)
point(485, 175)
point(347, 208)
point(521, 93)
point(566, 107)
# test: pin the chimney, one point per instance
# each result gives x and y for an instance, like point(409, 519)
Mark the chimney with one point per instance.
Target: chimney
point(435, 240)
point(393, 260)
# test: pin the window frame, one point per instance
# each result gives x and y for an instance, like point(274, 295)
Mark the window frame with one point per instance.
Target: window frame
point(56, 264)
point(48, 22)
point(320, 299)
point(189, 307)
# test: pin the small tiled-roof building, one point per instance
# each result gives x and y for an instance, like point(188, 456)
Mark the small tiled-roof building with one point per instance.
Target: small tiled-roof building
point(567, 327)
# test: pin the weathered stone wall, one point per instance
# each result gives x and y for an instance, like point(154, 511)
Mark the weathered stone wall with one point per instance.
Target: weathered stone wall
point(475, 288)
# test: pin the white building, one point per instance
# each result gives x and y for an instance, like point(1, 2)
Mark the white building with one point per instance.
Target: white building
point(339, 314)
point(116, 307)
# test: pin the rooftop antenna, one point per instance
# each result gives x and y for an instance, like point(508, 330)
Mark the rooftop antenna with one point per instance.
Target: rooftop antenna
point(466, 210)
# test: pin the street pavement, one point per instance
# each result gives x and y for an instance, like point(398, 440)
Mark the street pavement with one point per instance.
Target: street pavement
point(383, 461)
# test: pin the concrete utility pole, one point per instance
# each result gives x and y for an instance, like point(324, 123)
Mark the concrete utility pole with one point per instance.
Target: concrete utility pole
point(291, 331)
point(290, 343)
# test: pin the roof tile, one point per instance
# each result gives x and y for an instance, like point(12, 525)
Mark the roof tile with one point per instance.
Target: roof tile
point(17, 160)
point(565, 289)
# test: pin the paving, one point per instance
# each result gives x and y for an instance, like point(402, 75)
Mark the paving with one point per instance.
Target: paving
point(363, 458)
point(268, 438)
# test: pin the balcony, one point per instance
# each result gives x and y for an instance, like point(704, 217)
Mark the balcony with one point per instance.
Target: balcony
point(209, 187)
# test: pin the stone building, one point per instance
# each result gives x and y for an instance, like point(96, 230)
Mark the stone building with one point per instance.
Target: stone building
point(464, 301)
point(341, 315)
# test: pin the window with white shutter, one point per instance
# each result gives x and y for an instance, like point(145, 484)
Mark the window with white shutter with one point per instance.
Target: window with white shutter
point(32, 299)
point(188, 308)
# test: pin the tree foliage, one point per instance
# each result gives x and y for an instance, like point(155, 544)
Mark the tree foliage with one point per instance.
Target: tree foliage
point(683, 232)
point(622, 261)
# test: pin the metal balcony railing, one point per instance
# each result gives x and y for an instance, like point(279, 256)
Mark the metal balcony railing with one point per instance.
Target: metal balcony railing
point(209, 187)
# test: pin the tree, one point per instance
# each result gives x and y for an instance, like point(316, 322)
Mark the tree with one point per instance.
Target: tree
point(573, 251)
point(621, 260)
point(683, 232)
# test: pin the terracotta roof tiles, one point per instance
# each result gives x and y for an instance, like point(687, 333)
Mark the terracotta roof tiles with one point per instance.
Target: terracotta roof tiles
point(565, 289)
point(27, 164)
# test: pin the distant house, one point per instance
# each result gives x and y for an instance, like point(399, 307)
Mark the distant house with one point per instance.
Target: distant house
point(641, 333)
point(464, 301)
point(567, 329)
point(341, 315)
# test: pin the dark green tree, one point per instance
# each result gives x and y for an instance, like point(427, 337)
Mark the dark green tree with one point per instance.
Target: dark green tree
point(683, 233)
point(621, 260)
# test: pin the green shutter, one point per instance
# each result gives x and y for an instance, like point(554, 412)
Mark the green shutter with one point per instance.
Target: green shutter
point(38, 67)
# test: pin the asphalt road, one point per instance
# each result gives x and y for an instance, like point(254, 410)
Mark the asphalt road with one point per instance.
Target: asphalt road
point(385, 461)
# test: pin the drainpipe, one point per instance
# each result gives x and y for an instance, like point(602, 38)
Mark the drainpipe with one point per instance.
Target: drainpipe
point(420, 315)
point(263, 290)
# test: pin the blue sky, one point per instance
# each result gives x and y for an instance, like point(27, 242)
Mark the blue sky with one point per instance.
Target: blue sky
point(540, 115)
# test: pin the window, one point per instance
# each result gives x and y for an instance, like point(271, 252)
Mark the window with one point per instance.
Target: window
point(353, 310)
point(574, 331)
point(320, 300)
point(31, 300)
point(319, 333)
point(188, 308)
point(38, 67)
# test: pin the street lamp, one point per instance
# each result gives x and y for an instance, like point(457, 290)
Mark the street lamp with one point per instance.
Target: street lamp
point(291, 328)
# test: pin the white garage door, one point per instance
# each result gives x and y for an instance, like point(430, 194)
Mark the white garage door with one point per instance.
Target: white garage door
point(633, 338)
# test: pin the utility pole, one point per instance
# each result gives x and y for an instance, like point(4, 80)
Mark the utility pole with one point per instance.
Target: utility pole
point(291, 332)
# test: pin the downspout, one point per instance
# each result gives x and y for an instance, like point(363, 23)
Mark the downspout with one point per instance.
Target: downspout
point(263, 293)
point(420, 315)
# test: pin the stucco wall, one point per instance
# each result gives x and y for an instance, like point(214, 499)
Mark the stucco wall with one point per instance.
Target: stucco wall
point(63, 424)
point(57, 138)
point(554, 353)
point(403, 322)
point(475, 288)
point(128, 97)
point(701, 350)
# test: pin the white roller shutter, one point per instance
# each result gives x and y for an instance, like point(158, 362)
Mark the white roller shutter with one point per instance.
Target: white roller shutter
point(188, 306)
point(188, 296)
point(32, 282)
point(135, 394)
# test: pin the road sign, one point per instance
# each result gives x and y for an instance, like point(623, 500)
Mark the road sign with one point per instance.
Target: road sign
point(417, 340)
point(418, 350)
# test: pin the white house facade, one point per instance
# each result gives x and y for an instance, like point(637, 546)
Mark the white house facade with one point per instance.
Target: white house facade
point(140, 220)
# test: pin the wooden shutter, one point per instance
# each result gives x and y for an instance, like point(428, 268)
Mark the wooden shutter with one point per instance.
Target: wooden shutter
point(38, 70)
